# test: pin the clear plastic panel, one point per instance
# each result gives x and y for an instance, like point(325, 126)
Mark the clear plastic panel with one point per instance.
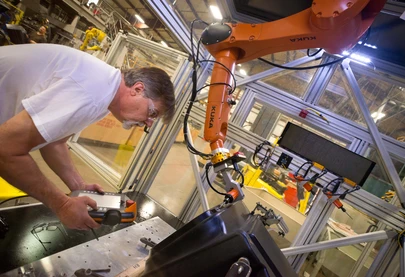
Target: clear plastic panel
point(106, 139)
point(338, 98)
point(294, 82)
point(341, 261)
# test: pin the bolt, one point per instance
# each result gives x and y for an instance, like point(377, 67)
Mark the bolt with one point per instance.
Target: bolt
point(313, 3)
point(232, 39)
point(251, 38)
point(349, 4)
point(240, 269)
point(319, 14)
point(253, 25)
point(335, 13)
point(233, 24)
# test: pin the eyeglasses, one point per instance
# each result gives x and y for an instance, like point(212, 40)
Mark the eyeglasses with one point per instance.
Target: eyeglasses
point(48, 226)
point(152, 112)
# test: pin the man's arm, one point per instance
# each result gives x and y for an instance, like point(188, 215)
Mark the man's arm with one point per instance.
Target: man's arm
point(17, 137)
point(57, 156)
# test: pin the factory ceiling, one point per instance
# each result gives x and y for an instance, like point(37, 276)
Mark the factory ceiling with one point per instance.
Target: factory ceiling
point(386, 33)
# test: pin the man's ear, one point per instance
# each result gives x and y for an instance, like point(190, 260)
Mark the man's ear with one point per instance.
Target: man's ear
point(137, 88)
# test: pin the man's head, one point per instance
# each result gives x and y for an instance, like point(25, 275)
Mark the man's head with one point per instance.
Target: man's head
point(144, 95)
point(42, 30)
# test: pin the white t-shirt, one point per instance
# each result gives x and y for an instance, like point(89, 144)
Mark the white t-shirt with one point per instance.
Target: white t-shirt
point(63, 89)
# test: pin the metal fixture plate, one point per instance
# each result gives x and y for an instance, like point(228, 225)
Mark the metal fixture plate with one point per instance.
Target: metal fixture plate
point(117, 251)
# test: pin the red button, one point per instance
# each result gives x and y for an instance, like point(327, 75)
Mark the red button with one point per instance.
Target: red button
point(129, 203)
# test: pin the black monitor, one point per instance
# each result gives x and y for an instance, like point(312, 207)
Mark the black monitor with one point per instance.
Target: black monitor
point(333, 157)
point(17, 34)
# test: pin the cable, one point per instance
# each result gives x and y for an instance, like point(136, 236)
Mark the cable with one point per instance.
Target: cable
point(195, 59)
point(227, 69)
point(203, 87)
point(194, 91)
point(242, 183)
point(315, 53)
point(304, 67)
point(207, 168)
point(336, 187)
point(319, 65)
point(306, 171)
point(266, 156)
point(399, 238)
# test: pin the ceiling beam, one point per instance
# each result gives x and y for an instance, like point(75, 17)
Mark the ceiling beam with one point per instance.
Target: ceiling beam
point(121, 7)
point(207, 4)
point(192, 9)
point(132, 6)
point(161, 25)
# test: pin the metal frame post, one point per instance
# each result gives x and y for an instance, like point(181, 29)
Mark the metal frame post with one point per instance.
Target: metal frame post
point(194, 164)
point(385, 261)
point(374, 236)
point(375, 134)
point(320, 81)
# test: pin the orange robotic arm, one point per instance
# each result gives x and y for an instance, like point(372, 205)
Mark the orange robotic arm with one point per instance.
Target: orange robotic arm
point(334, 25)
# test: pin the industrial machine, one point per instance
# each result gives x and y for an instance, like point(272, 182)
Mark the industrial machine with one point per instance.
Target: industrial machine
point(113, 208)
point(93, 34)
point(230, 234)
point(221, 236)
point(335, 27)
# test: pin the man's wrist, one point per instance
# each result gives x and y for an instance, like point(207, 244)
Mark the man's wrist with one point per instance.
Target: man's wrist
point(57, 201)
point(75, 184)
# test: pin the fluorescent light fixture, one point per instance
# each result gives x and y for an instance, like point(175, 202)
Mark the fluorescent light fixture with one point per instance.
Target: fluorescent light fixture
point(140, 19)
point(164, 44)
point(367, 45)
point(360, 58)
point(377, 115)
point(243, 72)
point(357, 57)
point(215, 12)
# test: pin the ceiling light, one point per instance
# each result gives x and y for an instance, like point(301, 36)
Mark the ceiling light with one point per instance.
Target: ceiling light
point(360, 58)
point(377, 115)
point(215, 12)
point(140, 19)
point(243, 72)
point(239, 64)
point(357, 57)
point(367, 45)
point(164, 44)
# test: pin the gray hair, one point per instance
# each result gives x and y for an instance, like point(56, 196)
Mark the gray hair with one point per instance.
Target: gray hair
point(158, 87)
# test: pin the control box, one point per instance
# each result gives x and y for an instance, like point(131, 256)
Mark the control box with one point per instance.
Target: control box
point(112, 208)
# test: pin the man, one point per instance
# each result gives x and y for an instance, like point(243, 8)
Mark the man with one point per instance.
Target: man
point(48, 93)
point(38, 36)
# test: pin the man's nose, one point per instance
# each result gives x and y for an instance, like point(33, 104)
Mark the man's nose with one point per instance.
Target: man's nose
point(149, 122)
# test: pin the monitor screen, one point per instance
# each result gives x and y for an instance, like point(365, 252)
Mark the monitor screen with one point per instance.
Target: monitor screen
point(333, 157)
point(105, 201)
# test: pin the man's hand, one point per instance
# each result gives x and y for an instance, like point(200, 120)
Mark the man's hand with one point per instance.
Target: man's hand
point(93, 187)
point(74, 214)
